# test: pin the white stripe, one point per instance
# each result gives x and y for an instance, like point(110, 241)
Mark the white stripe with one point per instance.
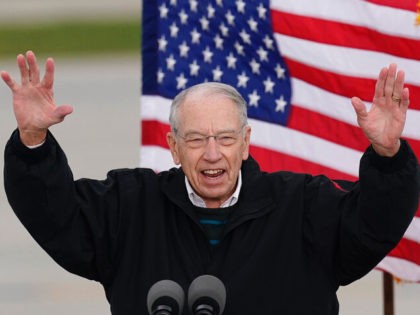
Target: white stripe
point(311, 97)
point(338, 107)
point(156, 158)
point(288, 141)
point(386, 20)
point(304, 95)
point(401, 268)
point(412, 123)
point(344, 60)
point(154, 107)
point(305, 146)
point(413, 231)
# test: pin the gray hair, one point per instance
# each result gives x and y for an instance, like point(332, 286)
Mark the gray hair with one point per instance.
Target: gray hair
point(216, 87)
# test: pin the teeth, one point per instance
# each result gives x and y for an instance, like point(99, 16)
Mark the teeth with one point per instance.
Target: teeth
point(213, 172)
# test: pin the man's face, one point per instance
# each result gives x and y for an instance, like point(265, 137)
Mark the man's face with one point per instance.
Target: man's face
point(211, 167)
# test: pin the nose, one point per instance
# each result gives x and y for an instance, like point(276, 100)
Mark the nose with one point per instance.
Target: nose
point(211, 150)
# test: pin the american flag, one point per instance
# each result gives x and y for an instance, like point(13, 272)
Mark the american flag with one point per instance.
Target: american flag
point(297, 63)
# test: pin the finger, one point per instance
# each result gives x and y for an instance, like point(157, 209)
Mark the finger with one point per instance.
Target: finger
point(33, 67)
point(380, 83)
point(9, 81)
point(390, 80)
point(405, 99)
point(62, 111)
point(359, 107)
point(398, 86)
point(24, 72)
point(48, 79)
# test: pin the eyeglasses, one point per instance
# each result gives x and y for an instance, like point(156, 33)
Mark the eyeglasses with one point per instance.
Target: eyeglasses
point(197, 140)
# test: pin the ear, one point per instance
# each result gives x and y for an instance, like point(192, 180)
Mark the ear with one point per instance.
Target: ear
point(247, 139)
point(171, 139)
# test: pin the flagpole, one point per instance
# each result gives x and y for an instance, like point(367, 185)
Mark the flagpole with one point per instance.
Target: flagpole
point(388, 292)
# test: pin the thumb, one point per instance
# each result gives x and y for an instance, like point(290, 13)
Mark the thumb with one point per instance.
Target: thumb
point(359, 107)
point(62, 111)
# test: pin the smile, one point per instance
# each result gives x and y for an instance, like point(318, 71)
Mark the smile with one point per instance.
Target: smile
point(213, 173)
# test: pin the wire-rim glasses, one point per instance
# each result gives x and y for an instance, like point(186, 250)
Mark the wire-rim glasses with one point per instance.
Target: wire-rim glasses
point(197, 140)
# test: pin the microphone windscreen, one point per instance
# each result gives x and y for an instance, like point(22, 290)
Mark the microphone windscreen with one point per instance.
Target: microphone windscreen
point(207, 286)
point(165, 290)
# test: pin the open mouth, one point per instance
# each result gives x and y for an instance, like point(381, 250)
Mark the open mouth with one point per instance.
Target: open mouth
point(213, 173)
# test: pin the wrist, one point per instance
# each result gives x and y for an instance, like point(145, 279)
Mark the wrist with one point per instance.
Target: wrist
point(32, 138)
point(389, 151)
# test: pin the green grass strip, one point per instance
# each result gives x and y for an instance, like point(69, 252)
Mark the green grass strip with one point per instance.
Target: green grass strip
point(69, 38)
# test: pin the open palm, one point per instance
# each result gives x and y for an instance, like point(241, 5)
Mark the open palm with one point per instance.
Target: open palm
point(33, 99)
point(383, 124)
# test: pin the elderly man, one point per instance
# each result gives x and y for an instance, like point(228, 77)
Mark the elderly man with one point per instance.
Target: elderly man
point(282, 243)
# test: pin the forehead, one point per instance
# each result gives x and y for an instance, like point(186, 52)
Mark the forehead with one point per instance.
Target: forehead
point(204, 111)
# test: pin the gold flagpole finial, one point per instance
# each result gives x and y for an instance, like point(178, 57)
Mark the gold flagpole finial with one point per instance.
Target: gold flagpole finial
point(417, 22)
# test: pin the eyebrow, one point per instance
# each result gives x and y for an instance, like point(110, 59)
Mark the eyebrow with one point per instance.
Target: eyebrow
point(191, 132)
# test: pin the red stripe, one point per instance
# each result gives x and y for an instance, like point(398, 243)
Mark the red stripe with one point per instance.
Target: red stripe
point(408, 250)
point(154, 132)
point(328, 128)
point(409, 5)
point(341, 84)
point(341, 34)
point(271, 161)
point(333, 130)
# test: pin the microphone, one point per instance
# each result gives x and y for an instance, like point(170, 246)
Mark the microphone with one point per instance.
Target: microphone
point(165, 297)
point(207, 296)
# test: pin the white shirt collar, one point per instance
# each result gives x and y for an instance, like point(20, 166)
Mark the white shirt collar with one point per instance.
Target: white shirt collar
point(199, 202)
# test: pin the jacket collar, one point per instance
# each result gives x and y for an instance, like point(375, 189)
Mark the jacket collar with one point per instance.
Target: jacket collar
point(254, 197)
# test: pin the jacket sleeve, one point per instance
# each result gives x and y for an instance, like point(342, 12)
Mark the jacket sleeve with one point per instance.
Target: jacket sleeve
point(76, 223)
point(355, 225)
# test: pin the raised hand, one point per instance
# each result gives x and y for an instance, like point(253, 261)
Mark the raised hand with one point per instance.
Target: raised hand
point(33, 99)
point(384, 123)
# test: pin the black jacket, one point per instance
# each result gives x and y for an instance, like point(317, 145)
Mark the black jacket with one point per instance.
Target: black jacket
point(291, 240)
